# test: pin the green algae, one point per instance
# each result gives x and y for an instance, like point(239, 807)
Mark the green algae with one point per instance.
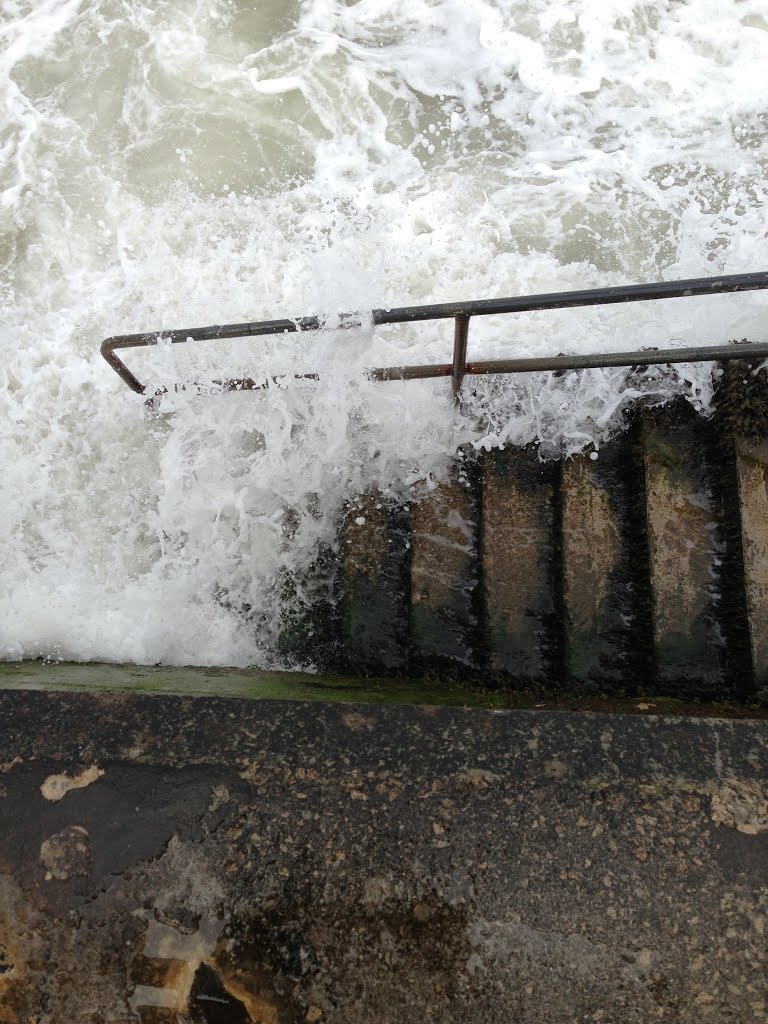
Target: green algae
point(229, 682)
point(255, 684)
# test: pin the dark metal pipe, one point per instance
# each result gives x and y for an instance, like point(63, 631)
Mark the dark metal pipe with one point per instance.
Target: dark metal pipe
point(461, 312)
point(411, 372)
point(460, 335)
point(646, 357)
point(107, 350)
point(569, 300)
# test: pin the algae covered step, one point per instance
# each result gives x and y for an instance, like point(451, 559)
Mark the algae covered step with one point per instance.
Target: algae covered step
point(445, 573)
point(638, 568)
point(635, 569)
point(253, 684)
point(606, 610)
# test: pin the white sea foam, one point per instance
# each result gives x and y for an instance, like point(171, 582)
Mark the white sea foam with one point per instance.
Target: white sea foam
point(187, 162)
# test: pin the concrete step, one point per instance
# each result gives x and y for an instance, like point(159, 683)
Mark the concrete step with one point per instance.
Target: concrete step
point(375, 585)
point(606, 613)
point(519, 563)
point(685, 517)
point(641, 570)
point(752, 470)
point(445, 573)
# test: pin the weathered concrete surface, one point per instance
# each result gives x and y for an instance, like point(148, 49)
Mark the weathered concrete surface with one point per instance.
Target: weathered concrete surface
point(178, 859)
point(684, 521)
point(606, 605)
point(643, 568)
point(752, 475)
point(519, 566)
point(591, 555)
point(375, 563)
point(445, 538)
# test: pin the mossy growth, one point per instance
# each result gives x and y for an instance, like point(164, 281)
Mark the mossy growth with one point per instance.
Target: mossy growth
point(742, 402)
point(252, 684)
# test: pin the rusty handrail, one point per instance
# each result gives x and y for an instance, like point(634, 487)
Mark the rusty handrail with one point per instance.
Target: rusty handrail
point(461, 312)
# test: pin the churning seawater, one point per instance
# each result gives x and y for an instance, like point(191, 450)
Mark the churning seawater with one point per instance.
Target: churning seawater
point(180, 162)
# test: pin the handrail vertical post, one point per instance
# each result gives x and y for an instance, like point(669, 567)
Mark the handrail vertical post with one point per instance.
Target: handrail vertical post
point(459, 368)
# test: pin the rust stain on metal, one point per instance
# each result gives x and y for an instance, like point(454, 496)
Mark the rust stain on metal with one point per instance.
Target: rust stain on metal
point(752, 474)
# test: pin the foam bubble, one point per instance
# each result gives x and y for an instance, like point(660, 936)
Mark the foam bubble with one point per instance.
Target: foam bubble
point(175, 165)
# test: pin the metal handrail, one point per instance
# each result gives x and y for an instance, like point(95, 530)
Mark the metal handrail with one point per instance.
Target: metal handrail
point(461, 312)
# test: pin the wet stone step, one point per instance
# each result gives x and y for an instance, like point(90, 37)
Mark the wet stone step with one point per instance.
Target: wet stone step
point(520, 566)
point(606, 620)
point(685, 522)
point(309, 613)
point(375, 586)
point(644, 570)
point(752, 479)
point(444, 614)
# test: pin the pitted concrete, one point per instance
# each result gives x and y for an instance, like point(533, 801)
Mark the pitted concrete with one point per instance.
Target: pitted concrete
point(752, 476)
point(224, 860)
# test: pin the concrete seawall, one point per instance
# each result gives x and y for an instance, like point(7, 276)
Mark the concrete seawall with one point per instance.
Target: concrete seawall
point(638, 571)
point(168, 859)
